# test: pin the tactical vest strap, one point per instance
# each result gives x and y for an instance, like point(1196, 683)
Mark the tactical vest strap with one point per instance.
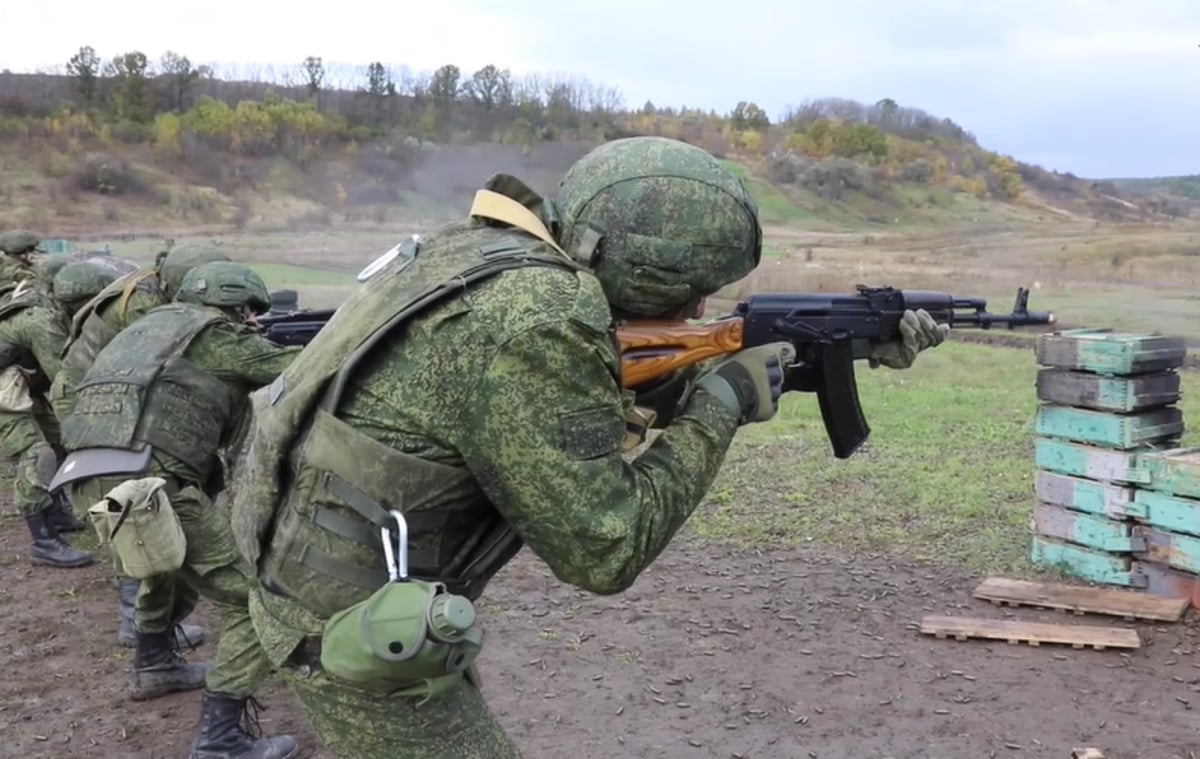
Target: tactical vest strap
point(135, 279)
point(493, 205)
point(313, 537)
point(494, 260)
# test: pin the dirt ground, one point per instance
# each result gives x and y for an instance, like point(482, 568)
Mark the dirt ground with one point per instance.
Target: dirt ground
point(714, 653)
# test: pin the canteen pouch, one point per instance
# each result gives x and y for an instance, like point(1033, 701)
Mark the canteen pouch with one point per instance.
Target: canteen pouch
point(136, 518)
point(409, 637)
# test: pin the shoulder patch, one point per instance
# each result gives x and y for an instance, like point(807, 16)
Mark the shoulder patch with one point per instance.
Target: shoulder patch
point(591, 309)
point(592, 433)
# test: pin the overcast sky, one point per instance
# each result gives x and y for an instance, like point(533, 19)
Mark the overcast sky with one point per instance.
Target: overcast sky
point(1100, 88)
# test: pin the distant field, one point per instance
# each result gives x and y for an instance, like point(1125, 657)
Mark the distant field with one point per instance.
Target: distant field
point(946, 475)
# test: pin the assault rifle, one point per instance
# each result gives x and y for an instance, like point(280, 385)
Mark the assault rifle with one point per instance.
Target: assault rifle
point(829, 332)
point(294, 327)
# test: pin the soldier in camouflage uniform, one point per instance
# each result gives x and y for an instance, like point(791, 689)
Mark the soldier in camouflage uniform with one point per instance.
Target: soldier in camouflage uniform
point(19, 246)
point(474, 383)
point(114, 309)
point(160, 400)
point(118, 306)
point(33, 325)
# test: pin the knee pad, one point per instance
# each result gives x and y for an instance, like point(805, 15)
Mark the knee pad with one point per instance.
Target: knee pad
point(45, 464)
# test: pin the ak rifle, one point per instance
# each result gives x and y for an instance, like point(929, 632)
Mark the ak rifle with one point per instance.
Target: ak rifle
point(829, 333)
point(294, 327)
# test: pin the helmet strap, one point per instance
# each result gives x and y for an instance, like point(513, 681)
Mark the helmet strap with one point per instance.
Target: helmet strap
point(586, 250)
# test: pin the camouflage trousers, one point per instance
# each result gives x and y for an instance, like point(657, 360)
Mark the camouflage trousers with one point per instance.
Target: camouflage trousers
point(215, 571)
point(30, 440)
point(353, 723)
point(162, 600)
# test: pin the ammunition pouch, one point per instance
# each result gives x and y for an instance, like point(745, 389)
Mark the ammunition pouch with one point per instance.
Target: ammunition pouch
point(137, 519)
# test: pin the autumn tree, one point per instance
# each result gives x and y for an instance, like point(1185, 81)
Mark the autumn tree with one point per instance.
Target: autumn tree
point(749, 116)
point(314, 75)
point(443, 85)
point(489, 87)
point(179, 76)
point(132, 97)
point(84, 68)
point(380, 88)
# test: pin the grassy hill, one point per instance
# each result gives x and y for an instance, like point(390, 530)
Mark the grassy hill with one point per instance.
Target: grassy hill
point(127, 146)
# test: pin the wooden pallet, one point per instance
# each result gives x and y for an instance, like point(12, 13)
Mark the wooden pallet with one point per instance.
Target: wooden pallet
point(1033, 633)
point(1080, 600)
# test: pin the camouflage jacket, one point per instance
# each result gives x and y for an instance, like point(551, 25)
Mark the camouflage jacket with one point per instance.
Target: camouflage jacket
point(512, 385)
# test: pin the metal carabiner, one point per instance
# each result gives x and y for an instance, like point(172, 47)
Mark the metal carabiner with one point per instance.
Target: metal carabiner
point(397, 561)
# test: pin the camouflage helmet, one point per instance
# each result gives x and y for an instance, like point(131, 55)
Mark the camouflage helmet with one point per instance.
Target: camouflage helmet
point(179, 260)
point(81, 280)
point(659, 222)
point(20, 241)
point(224, 284)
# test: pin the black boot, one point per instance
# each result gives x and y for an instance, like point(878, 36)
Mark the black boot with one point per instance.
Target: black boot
point(158, 669)
point(127, 590)
point(51, 550)
point(219, 734)
point(63, 517)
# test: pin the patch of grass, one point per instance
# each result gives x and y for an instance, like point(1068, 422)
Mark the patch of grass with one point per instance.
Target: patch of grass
point(774, 206)
point(284, 275)
point(946, 476)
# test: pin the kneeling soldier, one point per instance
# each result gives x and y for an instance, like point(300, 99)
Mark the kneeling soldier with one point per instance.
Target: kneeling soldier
point(161, 400)
point(33, 327)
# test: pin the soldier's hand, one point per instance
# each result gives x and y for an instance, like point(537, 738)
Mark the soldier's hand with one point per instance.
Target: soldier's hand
point(918, 332)
point(750, 381)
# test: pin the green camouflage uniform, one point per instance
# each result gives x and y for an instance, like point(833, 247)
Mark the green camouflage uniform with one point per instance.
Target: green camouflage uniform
point(194, 366)
point(32, 330)
point(118, 306)
point(496, 417)
point(36, 324)
point(18, 246)
point(163, 600)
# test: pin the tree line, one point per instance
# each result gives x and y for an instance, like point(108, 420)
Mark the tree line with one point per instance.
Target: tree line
point(296, 111)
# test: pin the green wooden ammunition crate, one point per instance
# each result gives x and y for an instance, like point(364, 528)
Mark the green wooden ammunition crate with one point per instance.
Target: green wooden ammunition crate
point(1106, 352)
point(1077, 460)
point(1122, 431)
point(1101, 498)
point(1088, 530)
point(1176, 471)
point(1085, 563)
point(1167, 512)
point(1161, 580)
point(1067, 387)
point(1171, 548)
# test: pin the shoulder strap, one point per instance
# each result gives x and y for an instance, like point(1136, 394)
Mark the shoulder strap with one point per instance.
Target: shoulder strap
point(127, 291)
point(493, 205)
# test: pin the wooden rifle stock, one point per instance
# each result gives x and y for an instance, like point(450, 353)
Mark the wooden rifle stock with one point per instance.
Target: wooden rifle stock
point(654, 349)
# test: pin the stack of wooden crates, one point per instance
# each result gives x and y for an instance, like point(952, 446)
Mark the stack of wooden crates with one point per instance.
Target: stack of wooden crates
point(1118, 501)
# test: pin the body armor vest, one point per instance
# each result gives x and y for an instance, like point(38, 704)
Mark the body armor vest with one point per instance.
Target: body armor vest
point(90, 332)
point(142, 391)
point(308, 512)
